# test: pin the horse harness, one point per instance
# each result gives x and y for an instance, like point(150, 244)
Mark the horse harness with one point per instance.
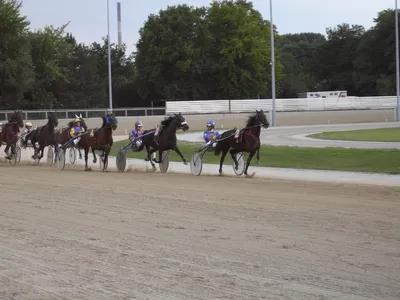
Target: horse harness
point(239, 133)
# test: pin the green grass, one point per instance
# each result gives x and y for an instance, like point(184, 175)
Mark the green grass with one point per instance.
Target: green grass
point(358, 160)
point(375, 135)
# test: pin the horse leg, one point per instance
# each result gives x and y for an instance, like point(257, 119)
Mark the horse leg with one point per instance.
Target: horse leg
point(233, 152)
point(41, 152)
point(94, 156)
point(248, 162)
point(258, 156)
point(179, 153)
point(6, 151)
point(221, 162)
point(86, 159)
point(56, 152)
point(149, 153)
point(80, 153)
point(35, 151)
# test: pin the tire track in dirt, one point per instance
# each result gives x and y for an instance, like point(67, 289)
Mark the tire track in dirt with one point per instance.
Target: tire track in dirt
point(169, 236)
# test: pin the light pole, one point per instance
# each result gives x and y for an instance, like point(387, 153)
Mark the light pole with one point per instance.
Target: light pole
point(397, 64)
point(273, 66)
point(109, 57)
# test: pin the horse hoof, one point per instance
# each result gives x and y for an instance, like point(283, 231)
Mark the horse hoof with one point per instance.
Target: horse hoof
point(94, 161)
point(251, 175)
point(88, 169)
point(185, 163)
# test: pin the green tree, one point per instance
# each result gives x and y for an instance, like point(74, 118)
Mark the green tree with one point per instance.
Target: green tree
point(335, 58)
point(238, 51)
point(298, 53)
point(16, 72)
point(168, 53)
point(122, 73)
point(375, 65)
point(50, 53)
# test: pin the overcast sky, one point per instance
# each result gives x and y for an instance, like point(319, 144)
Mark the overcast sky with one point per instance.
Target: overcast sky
point(89, 17)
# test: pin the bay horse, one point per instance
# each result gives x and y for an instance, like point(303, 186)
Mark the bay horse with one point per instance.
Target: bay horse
point(245, 140)
point(9, 132)
point(62, 135)
point(99, 139)
point(166, 139)
point(45, 136)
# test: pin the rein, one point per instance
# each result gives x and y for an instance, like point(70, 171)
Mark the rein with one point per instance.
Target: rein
point(232, 134)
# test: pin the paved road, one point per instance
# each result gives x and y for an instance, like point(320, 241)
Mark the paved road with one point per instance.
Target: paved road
point(296, 136)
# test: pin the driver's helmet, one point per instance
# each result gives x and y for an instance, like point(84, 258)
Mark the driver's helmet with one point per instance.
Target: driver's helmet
point(77, 120)
point(28, 125)
point(210, 125)
point(138, 125)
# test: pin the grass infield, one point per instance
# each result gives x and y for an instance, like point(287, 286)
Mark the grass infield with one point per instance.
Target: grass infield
point(366, 135)
point(357, 160)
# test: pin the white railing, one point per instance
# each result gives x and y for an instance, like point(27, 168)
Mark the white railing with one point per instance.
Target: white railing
point(86, 113)
point(221, 106)
point(295, 104)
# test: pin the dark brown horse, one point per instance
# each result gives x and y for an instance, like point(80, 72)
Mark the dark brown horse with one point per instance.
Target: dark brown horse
point(99, 139)
point(9, 132)
point(45, 136)
point(245, 140)
point(166, 138)
point(62, 134)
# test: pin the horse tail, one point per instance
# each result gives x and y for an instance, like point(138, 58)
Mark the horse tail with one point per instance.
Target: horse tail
point(220, 145)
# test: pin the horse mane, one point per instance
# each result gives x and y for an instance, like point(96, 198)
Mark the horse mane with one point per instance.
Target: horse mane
point(167, 121)
point(251, 119)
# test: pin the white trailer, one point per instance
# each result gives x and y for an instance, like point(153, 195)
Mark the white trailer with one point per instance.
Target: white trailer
point(323, 94)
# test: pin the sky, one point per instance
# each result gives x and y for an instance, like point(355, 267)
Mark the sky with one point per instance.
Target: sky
point(88, 18)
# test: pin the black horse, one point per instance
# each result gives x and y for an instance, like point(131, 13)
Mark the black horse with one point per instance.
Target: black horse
point(99, 139)
point(9, 132)
point(45, 136)
point(166, 139)
point(244, 140)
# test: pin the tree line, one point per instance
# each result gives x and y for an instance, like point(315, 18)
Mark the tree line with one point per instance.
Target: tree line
point(220, 51)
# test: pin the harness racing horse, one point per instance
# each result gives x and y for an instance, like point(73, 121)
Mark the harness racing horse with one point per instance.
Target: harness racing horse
point(62, 135)
point(166, 139)
point(45, 136)
point(9, 133)
point(99, 139)
point(244, 140)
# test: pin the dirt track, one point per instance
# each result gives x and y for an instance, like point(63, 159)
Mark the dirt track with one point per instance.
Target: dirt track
point(78, 235)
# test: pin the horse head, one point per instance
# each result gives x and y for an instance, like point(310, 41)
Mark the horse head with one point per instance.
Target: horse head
point(262, 118)
point(110, 121)
point(52, 119)
point(182, 122)
point(17, 117)
point(258, 118)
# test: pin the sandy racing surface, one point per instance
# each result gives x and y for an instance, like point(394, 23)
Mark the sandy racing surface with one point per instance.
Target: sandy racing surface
point(93, 235)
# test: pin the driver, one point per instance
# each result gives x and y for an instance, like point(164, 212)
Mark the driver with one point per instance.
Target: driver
point(26, 132)
point(210, 135)
point(137, 132)
point(76, 131)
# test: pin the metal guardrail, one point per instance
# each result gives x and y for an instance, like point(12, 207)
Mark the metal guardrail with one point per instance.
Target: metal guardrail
point(86, 113)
